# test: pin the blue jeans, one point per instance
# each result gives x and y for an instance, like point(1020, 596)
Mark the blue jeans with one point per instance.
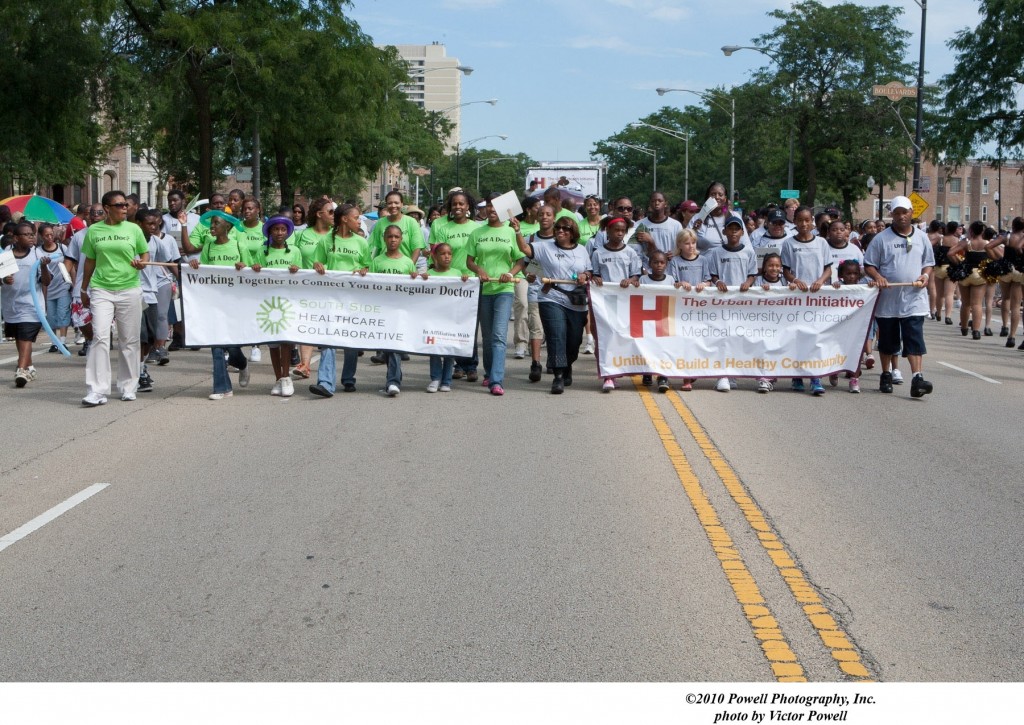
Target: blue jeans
point(441, 368)
point(221, 381)
point(494, 314)
point(394, 368)
point(563, 330)
point(327, 369)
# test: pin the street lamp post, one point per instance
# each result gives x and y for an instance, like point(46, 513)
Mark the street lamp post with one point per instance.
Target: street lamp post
point(485, 162)
point(459, 146)
point(923, 4)
point(732, 142)
point(650, 152)
point(729, 50)
point(674, 134)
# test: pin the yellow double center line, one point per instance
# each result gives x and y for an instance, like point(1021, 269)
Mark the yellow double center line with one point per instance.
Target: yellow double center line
point(776, 648)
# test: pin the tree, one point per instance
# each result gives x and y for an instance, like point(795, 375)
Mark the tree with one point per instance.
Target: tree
point(495, 176)
point(49, 124)
point(825, 63)
point(981, 104)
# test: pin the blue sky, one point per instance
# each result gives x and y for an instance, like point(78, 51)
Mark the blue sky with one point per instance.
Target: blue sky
point(570, 72)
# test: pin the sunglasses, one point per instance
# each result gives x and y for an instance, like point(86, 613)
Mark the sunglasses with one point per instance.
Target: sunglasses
point(562, 228)
point(120, 205)
point(624, 208)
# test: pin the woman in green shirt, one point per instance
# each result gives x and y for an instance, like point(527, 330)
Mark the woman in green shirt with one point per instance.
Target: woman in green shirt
point(321, 214)
point(277, 254)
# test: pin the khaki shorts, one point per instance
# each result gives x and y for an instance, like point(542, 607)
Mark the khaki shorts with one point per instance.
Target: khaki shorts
point(974, 280)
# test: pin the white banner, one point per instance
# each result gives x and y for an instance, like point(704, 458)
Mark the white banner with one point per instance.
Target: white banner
point(435, 316)
point(775, 334)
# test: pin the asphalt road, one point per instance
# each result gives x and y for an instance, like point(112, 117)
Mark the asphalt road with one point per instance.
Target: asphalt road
point(459, 537)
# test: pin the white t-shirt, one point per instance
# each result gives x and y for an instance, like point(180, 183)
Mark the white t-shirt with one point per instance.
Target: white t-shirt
point(74, 252)
point(692, 271)
point(16, 299)
point(712, 233)
point(667, 282)
point(806, 260)
point(732, 266)
point(57, 287)
point(901, 259)
point(558, 263)
point(613, 266)
point(850, 251)
point(663, 233)
point(152, 277)
point(173, 227)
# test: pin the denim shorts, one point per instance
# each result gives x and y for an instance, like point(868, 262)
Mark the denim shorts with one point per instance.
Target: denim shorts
point(908, 332)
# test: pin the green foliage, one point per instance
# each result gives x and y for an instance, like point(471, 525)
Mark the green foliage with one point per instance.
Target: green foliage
point(495, 176)
point(49, 129)
point(981, 103)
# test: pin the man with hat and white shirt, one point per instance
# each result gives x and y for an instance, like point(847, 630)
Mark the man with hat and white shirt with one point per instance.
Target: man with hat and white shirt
point(901, 255)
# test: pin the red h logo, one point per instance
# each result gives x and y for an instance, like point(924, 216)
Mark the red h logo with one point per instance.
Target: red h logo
point(430, 340)
point(662, 315)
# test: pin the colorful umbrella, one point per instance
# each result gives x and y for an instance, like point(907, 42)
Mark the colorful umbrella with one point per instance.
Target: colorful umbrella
point(36, 208)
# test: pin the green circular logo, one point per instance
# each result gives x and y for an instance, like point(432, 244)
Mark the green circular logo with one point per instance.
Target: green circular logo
point(274, 315)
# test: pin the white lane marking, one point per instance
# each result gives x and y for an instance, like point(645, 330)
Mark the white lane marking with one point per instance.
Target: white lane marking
point(39, 521)
point(968, 372)
point(4, 361)
point(8, 360)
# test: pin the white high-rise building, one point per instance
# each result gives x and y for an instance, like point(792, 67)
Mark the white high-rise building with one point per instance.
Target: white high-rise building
point(436, 83)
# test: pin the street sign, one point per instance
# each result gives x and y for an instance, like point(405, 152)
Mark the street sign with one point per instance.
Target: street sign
point(789, 194)
point(920, 205)
point(894, 91)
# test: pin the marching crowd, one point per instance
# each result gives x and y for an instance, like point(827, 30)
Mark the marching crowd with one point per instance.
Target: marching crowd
point(115, 266)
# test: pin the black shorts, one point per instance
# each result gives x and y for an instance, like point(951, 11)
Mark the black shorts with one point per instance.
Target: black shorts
point(897, 332)
point(22, 331)
point(147, 332)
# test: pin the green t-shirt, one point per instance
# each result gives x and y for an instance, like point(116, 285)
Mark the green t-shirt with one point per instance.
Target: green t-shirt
point(412, 236)
point(114, 247)
point(587, 230)
point(528, 228)
point(562, 213)
point(457, 237)
point(251, 238)
point(435, 226)
point(200, 236)
point(495, 250)
point(342, 254)
point(306, 242)
point(450, 272)
point(383, 264)
point(225, 255)
point(275, 258)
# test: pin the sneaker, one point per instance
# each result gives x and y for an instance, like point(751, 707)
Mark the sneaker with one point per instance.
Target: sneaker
point(589, 347)
point(393, 390)
point(93, 399)
point(663, 385)
point(255, 355)
point(520, 351)
point(885, 382)
point(833, 380)
point(243, 377)
point(608, 386)
point(378, 359)
point(535, 372)
point(276, 390)
point(471, 377)
point(647, 380)
point(687, 386)
point(797, 385)
point(145, 384)
point(221, 396)
point(21, 378)
point(349, 387)
point(816, 387)
point(84, 350)
point(869, 361)
point(722, 386)
point(733, 384)
point(486, 383)
point(457, 375)
point(287, 388)
point(79, 338)
point(919, 387)
point(445, 389)
point(764, 386)
point(897, 377)
point(854, 385)
point(320, 390)
point(497, 390)
point(152, 358)
point(53, 348)
point(295, 359)
point(127, 397)
point(433, 386)
point(163, 358)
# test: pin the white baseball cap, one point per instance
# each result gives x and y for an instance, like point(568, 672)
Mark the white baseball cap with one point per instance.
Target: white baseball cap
point(901, 202)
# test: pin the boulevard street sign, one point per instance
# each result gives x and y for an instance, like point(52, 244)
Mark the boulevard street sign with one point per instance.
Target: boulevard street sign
point(789, 194)
point(894, 91)
point(920, 205)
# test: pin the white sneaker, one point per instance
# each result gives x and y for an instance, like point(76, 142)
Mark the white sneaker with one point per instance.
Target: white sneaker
point(609, 385)
point(79, 338)
point(433, 386)
point(31, 370)
point(243, 377)
point(445, 389)
point(589, 349)
point(764, 386)
point(287, 388)
point(93, 399)
point(722, 386)
point(897, 377)
point(21, 377)
point(393, 390)
point(255, 355)
point(127, 397)
point(221, 396)
point(276, 390)
point(520, 351)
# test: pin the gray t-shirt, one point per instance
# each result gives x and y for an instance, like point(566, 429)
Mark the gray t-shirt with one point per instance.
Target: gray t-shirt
point(16, 298)
point(663, 233)
point(850, 251)
point(74, 252)
point(806, 260)
point(693, 271)
point(732, 266)
point(901, 259)
point(616, 265)
point(153, 277)
point(558, 263)
point(57, 287)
